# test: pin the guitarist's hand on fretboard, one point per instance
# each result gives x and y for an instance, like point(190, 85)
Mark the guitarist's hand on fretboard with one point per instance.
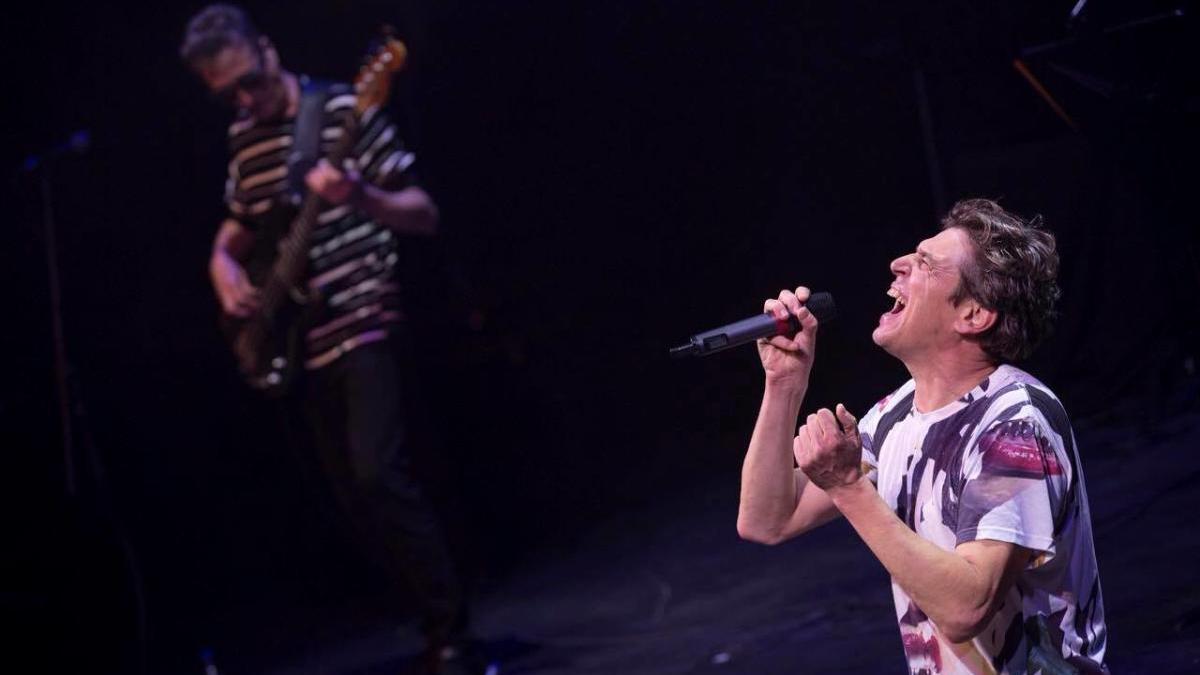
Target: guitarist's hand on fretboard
point(334, 186)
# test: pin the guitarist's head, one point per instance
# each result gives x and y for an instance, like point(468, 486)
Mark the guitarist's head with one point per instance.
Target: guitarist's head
point(239, 66)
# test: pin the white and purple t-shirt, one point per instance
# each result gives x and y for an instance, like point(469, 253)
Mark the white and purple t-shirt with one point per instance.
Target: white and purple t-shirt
point(999, 464)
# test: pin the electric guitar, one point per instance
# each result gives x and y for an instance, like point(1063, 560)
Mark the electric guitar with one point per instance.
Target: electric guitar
point(269, 344)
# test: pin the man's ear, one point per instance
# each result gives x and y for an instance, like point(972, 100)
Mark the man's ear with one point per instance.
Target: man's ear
point(973, 318)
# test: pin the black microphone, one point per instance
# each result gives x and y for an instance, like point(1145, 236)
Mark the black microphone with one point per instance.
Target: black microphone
point(749, 330)
point(78, 143)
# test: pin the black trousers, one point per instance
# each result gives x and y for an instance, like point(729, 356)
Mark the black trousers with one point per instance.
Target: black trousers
point(354, 413)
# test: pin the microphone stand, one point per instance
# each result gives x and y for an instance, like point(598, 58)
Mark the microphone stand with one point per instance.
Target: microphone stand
point(61, 367)
point(70, 403)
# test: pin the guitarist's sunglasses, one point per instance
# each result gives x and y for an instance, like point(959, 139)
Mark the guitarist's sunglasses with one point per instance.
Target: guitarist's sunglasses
point(250, 82)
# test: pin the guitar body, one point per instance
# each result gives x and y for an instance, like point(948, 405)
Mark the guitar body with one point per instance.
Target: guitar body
point(269, 345)
point(268, 354)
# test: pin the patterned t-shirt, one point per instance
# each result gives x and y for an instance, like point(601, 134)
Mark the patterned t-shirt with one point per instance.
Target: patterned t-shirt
point(998, 464)
point(352, 257)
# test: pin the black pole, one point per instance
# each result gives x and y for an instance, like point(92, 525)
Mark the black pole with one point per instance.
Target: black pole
point(67, 405)
point(62, 370)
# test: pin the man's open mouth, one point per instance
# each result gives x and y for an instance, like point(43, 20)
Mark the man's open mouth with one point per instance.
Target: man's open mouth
point(899, 304)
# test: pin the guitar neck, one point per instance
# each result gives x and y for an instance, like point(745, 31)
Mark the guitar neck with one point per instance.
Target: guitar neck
point(289, 268)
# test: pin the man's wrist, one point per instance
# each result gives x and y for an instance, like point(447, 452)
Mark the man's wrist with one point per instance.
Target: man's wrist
point(359, 198)
point(849, 493)
point(787, 389)
point(787, 383)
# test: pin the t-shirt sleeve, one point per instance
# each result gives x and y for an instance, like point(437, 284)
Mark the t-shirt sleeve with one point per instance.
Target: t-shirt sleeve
point(866, 431)
point(234, 201)
point(381, 156)
point(1015, 484)
point(246, 201)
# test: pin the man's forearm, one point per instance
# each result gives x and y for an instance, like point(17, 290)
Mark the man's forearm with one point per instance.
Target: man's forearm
point(407, 211)
point(219, 259)
point(230, 245)
point(769, 494)
point(232, 240)
point(956, 593)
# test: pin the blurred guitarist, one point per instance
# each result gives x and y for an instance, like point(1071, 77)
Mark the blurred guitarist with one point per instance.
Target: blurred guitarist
point(350, 397)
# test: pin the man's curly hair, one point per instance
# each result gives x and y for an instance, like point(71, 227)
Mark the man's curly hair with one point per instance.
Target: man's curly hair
point(1013, 270)
point(214, 28)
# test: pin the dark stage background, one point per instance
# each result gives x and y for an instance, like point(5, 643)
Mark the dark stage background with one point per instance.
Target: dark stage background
point(612, 177)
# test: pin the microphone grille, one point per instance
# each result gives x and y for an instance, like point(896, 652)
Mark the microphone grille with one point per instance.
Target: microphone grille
point(822, 307)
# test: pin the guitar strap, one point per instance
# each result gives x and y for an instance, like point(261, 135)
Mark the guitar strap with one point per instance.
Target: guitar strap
point(306, 141)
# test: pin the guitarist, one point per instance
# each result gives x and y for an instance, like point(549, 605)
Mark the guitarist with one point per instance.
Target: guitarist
point(350, 397)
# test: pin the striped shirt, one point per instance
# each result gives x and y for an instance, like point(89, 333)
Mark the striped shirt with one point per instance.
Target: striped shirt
point(352, 257)
point(1000, 464)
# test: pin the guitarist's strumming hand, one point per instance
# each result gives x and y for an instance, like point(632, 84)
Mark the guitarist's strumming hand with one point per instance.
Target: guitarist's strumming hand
point(238, 297)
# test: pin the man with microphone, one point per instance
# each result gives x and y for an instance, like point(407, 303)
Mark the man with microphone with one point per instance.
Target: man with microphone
point(965, 482)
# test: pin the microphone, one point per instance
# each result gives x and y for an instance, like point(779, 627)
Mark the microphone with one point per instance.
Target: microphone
point(78, 143)
point(749, 330)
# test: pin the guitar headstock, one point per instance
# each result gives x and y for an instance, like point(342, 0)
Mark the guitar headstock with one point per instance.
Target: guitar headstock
point(373, 84)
